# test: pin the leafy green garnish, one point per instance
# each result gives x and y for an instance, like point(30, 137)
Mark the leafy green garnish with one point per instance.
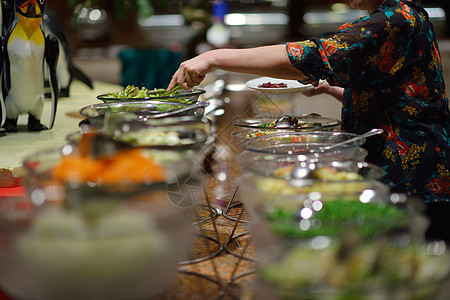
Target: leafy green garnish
point(131, 92)
point(368, 218)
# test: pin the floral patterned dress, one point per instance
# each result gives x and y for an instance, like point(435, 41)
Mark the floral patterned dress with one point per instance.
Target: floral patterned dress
point(389, 64)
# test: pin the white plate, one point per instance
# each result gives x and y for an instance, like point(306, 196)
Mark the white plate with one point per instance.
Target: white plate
point(293, 86)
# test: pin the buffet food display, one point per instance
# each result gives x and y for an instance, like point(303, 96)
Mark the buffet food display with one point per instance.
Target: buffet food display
point(325, 227)
point(104, 217)
point(109, 215)
point(250, 128)
point(98, 224)
point(378, 268)
point(340, 236)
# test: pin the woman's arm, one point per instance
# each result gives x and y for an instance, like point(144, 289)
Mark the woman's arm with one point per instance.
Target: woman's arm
point(271, 61)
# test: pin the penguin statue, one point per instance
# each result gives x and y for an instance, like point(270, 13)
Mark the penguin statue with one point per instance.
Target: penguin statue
point(66, 71)
point(26, 52)
point(6, 19)
point(7, 15)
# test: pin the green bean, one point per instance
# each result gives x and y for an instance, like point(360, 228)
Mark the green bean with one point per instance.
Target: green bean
point(132, 91)
point(171, 92)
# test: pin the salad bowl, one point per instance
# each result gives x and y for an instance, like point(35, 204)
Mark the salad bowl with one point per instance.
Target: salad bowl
point(133, 93)
point(82, 233)
point(142, 110)
point(355, 241)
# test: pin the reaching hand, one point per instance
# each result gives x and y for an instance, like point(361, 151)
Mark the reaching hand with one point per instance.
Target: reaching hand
point(325, 88)
point(191, 72)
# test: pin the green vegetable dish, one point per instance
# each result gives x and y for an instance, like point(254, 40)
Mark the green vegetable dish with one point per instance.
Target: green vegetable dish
point(132, 92)
point(368, 218)
point(353, 250)
point(372, 270)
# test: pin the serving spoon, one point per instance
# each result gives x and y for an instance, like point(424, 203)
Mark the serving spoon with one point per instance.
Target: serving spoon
point(372, 132)
point(304, 170)
point(287, 121)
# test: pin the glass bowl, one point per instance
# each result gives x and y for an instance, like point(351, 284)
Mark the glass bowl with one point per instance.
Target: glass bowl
point(163, 133)
point(171, 133)
point(181, 96)
point(143, 110)
point(78, 237)
point(330, 181)
point(301, 142)
point(320, 170)
point(267, 163)
point(243, 135)
point(352, 245)
point(397, 267)
point(348, 250)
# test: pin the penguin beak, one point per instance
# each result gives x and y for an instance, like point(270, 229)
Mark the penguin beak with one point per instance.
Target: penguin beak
point(31, 9)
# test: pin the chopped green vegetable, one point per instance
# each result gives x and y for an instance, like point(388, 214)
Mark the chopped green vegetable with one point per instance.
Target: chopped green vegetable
point(171, 92)
point(368, 218)
point(131, 92)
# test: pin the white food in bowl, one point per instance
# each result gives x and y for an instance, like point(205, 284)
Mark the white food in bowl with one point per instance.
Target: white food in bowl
point(103, 248)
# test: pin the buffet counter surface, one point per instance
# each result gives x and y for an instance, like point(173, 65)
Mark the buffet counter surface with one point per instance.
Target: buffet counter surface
point(220, 261)
point(15, 147)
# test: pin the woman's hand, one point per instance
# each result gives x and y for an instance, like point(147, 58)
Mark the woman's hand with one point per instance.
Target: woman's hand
point(191, 72)
point(325, 88)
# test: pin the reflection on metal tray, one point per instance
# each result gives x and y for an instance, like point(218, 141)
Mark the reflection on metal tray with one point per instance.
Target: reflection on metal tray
point(144, 110)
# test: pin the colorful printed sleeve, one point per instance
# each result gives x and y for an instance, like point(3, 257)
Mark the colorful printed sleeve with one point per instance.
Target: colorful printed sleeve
point(361, 53)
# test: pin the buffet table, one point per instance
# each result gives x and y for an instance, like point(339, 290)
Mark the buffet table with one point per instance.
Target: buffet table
point(222, 262)
point(15, 147)
point(220, 257)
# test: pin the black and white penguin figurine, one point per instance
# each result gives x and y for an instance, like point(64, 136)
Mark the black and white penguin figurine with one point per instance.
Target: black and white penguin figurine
point(66, 71)
point(7, 15)
point(26, 52)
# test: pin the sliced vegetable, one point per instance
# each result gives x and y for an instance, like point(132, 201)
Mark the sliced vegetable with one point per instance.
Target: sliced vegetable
point(132, 91)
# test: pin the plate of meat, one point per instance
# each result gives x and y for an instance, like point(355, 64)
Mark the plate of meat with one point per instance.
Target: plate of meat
point(277, 86)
